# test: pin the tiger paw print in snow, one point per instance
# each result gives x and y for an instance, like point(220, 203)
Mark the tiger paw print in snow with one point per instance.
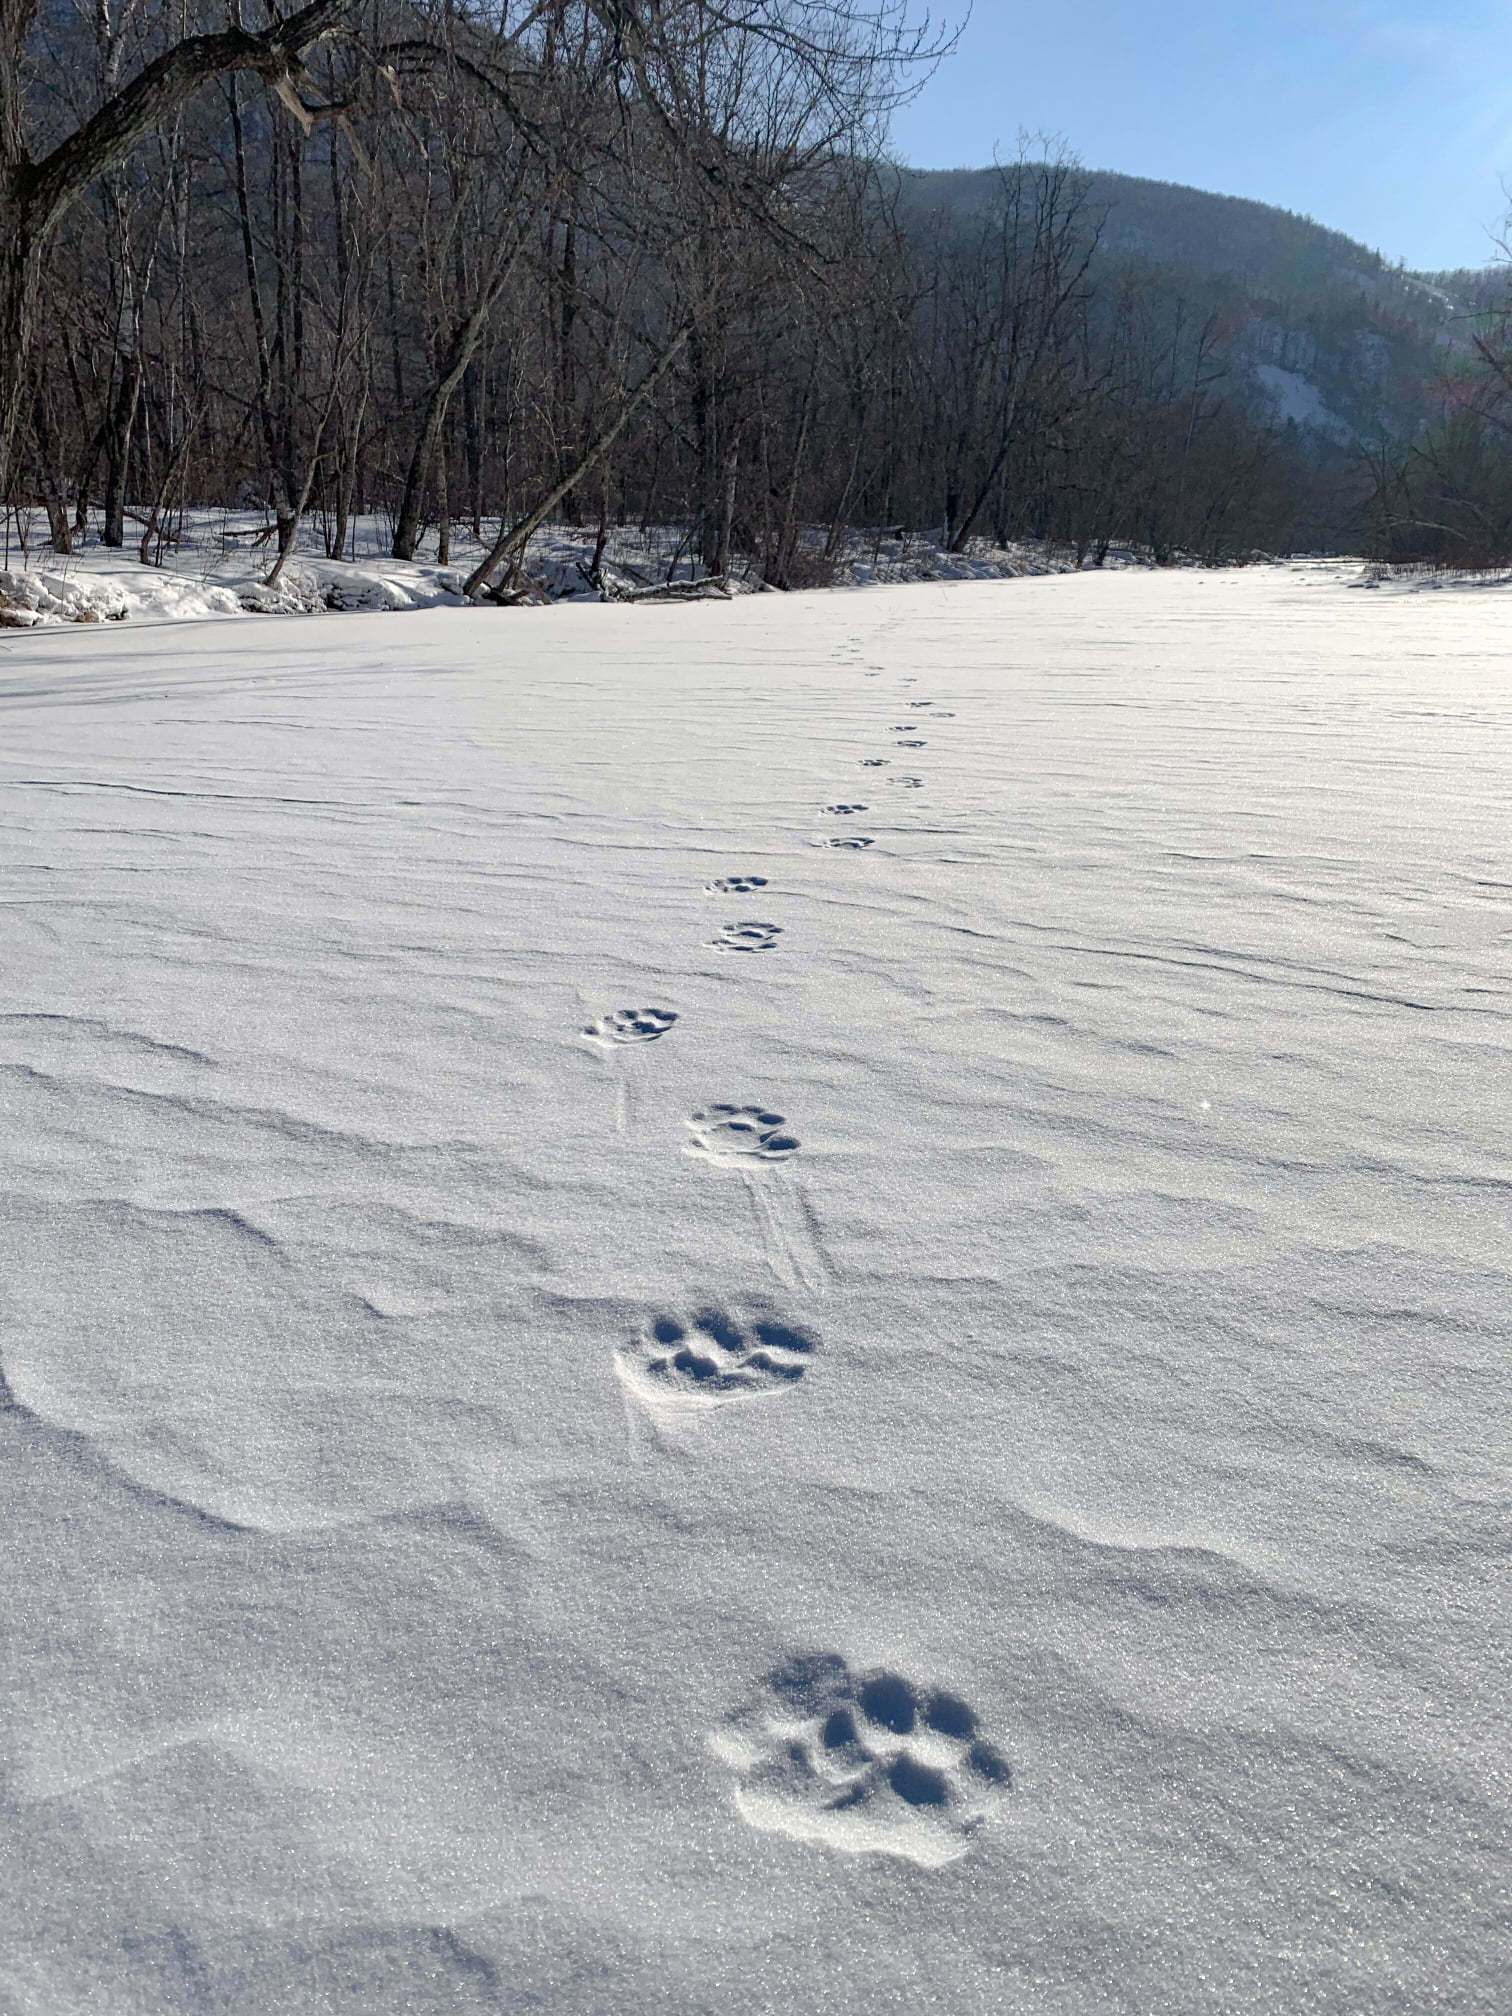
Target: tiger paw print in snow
point(712, 1356)
point(630, 1025)
point(866, 1763)
point(739, 1134)
point(750, 935)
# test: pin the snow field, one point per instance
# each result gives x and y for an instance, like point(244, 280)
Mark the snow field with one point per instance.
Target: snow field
point(956, 1459)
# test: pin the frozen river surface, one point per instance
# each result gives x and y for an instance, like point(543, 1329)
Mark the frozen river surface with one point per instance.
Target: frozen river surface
point(747, 1310)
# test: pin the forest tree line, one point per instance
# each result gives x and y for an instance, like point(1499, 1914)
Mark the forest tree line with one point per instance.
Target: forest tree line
point(472, 267)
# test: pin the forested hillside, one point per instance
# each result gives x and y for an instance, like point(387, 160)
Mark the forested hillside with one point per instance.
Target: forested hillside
point(478, 266)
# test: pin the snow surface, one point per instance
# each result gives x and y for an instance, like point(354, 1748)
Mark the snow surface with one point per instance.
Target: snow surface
point(613, 1408)
point(1298, 399)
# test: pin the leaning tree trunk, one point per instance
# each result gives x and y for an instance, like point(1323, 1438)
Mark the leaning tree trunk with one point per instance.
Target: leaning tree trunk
point(513, 539)
point(453, 365)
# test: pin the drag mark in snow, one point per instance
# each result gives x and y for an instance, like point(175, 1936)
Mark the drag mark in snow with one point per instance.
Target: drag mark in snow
point(613, 1032)
point(788, 1232)
point(630, 1025)
point(750, 935)
point(739, 1134)
point(703, 1360)
point(735, 885)
point(867, 1763)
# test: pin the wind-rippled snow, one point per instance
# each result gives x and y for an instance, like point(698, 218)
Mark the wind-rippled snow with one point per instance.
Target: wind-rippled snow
point(956, 1462)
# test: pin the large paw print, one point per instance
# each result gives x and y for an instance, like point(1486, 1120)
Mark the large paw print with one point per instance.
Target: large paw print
point(841, 811)
point(907, 783)
point(911, 742)
point(701, 1360)
point(630, 1025)
point(735, 885)
point(850, 841)
point(866, 1762)
point(874, 762)
point(739, 1134)
point(750, 935)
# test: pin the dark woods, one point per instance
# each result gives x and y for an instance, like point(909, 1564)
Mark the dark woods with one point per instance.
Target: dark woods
point(474, 266)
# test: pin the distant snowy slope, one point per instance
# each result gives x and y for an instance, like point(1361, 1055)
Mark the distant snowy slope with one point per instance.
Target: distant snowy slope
point(1298, 401)
point(741, 1309)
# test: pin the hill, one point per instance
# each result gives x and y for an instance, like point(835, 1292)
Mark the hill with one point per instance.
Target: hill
point(1332, 337)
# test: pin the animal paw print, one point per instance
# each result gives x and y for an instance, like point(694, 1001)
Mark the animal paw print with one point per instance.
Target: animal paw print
point(912, 742)
point(735, 885)
point(630, 1025)
point(748, 936)
point(739, 1134)
point(850, 841)
point(841, 811)
point(939, 714)
point(705, 1359)
point(906, 783)
point(867, 1763)
point(874, 762)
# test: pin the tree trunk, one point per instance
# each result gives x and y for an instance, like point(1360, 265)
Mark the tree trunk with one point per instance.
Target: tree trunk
point(59, 528)
point(453, 363)
point(118, 449)
point(19, 273)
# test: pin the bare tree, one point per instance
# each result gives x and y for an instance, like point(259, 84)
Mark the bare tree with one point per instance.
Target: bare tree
point(35, 192)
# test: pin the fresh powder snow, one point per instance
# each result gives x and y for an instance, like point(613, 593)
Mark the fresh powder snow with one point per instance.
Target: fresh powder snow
point(783, 1306)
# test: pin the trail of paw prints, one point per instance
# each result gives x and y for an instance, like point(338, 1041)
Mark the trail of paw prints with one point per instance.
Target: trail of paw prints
point(750, 935)
point(735, 885)
point(740, 1135)
point(712, 1356)
point(630, 1025)
point(866, 1763)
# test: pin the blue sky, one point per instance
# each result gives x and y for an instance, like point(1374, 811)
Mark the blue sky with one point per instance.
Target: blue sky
point(1392, 122)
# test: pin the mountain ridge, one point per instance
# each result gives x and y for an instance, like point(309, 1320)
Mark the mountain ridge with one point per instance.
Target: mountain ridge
point(1331, 337)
